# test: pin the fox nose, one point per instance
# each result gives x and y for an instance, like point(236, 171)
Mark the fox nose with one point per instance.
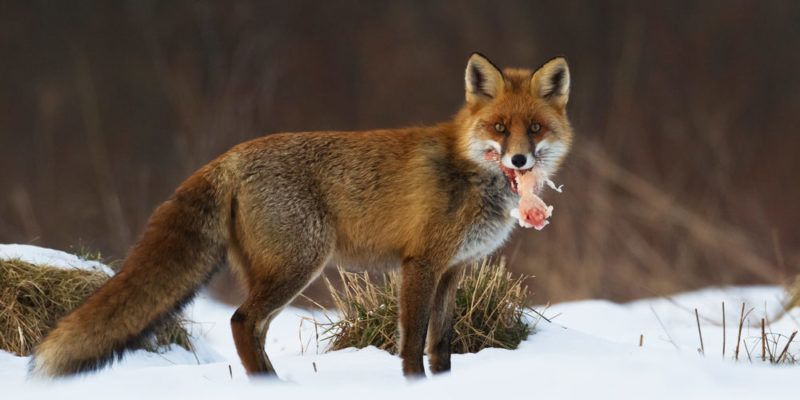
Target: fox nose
point(519, 160)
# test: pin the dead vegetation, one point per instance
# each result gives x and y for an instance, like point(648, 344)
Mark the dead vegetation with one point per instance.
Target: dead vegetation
point(491, 309)
point(34, 297)
point(770, 346)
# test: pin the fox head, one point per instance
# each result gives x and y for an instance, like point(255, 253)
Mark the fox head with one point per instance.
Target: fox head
point(520, 114)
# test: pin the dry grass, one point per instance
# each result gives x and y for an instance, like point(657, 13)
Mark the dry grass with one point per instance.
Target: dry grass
point(769, 346)
point(34, 297)
point(490, 310)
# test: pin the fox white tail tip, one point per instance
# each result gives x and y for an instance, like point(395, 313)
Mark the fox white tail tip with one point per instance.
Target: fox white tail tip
point(38, 368)
point(45, 363)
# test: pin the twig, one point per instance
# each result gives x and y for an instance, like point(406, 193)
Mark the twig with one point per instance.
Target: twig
point(747, 350)
point(763, 342)
point(783, 353)
point(769, 350)
point(540, 315)
point(741, 323)
point(664, 328)
point(723, 330)
point(641, 339)
point(739, 338)
point(300, 336)
point(316, 334)
point(699, 332)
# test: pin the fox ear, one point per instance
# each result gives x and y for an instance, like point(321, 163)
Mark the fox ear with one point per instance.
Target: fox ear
point(483, 79)
point(551, 82)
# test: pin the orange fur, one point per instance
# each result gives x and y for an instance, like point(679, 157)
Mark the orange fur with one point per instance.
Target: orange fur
point(282, 206)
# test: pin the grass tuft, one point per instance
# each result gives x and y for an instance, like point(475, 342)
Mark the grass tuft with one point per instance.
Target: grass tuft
point(87, 253)
point(491, 309)
point(34, 297)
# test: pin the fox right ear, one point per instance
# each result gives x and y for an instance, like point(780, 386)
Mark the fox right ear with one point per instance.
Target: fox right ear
point(551, 82)
point(483, 79)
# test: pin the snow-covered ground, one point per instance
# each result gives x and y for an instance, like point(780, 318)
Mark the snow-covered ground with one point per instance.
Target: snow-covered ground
point(40, 255)
point(590, 350)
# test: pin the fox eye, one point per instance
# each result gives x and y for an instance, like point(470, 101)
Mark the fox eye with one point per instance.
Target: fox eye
point(500, 128)
point(535, 127)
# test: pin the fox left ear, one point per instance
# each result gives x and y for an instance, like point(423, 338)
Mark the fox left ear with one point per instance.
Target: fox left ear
point(551, 82)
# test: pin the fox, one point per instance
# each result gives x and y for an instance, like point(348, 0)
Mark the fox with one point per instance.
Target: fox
point(279, 208)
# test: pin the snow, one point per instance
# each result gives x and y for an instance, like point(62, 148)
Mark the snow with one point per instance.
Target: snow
point(40, 255)
point(590, 350)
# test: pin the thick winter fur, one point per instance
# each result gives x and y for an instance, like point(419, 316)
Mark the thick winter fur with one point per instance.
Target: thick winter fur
point(283, 206)
point(184, 241)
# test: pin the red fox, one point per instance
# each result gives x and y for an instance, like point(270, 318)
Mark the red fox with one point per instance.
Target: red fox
point(281, 207)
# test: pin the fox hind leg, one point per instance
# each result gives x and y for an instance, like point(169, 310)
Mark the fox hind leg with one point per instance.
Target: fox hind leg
point(249, 345)
point(268, 295)
point(275, 275)
point(281, 238)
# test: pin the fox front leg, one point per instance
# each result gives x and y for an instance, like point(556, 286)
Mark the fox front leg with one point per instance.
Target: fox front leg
point(419, 279)
point(440, 327)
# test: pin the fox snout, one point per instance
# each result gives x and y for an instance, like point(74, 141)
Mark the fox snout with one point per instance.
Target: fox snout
point(518, 160)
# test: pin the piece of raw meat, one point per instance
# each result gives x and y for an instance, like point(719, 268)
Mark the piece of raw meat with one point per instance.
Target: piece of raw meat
point(531, 210)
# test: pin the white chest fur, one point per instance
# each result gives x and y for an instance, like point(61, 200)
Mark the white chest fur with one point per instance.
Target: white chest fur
point(483, 239)
point(492, 225)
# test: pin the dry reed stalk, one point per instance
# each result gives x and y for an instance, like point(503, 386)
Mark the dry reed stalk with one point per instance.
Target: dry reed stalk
point(664, 328)
point(763, 342)
point(785, 348)
point(723, 330)
point(739, 337)
point(699, 332)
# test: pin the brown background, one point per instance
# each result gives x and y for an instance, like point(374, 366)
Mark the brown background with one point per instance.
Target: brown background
point(686, 114)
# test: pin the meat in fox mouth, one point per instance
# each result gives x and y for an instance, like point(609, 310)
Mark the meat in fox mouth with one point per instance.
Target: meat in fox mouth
point(512, 174)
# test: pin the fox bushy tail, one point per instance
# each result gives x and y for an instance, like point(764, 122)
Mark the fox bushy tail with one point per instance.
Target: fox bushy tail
point(185, 240)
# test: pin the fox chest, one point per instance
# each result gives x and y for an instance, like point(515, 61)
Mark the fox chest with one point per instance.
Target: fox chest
point(492, 224)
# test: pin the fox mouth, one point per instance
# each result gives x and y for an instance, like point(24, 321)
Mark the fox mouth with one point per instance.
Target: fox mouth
point(512, 174)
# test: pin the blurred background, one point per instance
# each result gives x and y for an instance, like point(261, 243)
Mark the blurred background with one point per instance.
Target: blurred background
point(683, 173)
